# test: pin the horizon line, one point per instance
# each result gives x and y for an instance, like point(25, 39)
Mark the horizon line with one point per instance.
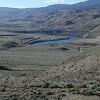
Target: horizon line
point(34, 7)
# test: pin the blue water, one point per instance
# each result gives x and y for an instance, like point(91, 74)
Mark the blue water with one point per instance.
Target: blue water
point(56, 42)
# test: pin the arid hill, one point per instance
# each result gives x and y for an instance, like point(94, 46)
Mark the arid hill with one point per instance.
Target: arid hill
point(81, 18)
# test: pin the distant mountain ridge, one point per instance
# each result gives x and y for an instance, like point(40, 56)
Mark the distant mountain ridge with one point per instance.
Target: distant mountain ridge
point(82, 18)
point(89, 4)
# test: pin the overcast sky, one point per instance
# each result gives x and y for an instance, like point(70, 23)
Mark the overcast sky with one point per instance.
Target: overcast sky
point(34, 3)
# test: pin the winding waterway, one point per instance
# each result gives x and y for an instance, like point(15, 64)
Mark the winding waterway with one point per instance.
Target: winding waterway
point(56, 42)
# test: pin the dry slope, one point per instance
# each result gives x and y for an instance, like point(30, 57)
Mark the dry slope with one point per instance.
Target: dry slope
point(82, 72)
point(79, 74)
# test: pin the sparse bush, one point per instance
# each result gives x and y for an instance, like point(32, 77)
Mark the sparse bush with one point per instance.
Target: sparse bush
point(4, 68)
point(50, 93)
point(69, 85)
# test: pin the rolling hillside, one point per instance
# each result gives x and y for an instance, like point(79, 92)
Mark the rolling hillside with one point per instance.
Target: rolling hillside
point(81, 18)
point(64, 72)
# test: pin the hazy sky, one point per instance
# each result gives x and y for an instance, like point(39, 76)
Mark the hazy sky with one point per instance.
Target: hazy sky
point(34, 3)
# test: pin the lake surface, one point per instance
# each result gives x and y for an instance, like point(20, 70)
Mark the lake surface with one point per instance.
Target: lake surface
point(56, 42)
